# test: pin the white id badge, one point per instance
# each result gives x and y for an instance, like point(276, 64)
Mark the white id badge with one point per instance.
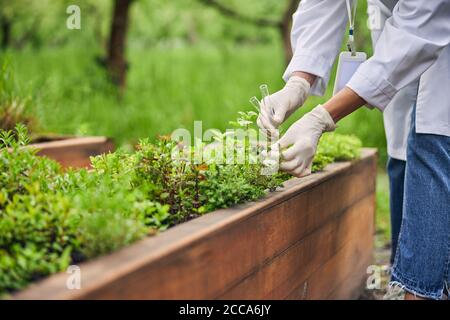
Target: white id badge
point(347, 67)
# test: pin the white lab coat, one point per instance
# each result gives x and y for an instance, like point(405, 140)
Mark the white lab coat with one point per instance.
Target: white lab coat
point(413, 45)
point(397, 115)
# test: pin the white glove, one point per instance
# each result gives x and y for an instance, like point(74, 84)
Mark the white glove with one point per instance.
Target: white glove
point(299, 144)
point(276, 108)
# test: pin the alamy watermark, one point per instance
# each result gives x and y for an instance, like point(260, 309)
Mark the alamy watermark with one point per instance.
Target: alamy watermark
point(73, 281)
point(374, 21)
point(73, 21)
point(377, 277)
point(234, 146)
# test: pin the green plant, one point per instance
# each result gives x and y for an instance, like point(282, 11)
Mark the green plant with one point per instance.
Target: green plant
point(37, 224)
point(340, 147)
point(335, 147)
point(50, 218)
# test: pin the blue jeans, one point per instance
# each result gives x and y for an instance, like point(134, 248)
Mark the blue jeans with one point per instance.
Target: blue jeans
point(422, 259)
point(396, 172)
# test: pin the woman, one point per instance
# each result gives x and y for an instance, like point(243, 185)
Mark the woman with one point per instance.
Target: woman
point(413, 46)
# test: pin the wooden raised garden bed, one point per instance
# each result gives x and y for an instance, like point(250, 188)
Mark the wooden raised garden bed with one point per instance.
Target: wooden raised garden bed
point(73, 151)
point(311, 240)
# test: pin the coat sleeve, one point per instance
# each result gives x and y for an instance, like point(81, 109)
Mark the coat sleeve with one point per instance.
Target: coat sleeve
point(410, 43)
point(317, 34)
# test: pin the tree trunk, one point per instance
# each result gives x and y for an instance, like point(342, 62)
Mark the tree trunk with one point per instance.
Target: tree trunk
point(116, 61)
point(6, 33)
point(286, 39)
point(285, 28)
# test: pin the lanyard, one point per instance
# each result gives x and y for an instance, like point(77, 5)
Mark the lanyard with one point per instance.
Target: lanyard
point(351, 19)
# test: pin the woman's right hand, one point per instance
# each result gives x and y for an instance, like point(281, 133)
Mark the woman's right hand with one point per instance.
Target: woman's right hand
point(276, 108)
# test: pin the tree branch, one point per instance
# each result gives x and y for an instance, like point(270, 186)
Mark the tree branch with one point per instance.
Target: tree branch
point(241, 17)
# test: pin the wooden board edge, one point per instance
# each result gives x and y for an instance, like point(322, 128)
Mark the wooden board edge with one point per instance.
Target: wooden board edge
point(71, 142)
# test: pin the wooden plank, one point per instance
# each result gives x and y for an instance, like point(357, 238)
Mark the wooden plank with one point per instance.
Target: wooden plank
point(343, 274)
point(354, 281)
point(353, 267)
point(206, 257)
point(329, 282)
point(288, 271)
point(352, 286)
point(74, 152)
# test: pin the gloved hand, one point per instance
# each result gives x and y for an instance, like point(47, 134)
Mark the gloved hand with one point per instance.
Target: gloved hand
point(299, 144)
point(276, 108)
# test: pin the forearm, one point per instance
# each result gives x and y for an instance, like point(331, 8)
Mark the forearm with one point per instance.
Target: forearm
point(343, 103)
point(305, 75)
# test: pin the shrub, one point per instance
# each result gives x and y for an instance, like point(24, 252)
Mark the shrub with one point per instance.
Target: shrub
point(50, 218)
